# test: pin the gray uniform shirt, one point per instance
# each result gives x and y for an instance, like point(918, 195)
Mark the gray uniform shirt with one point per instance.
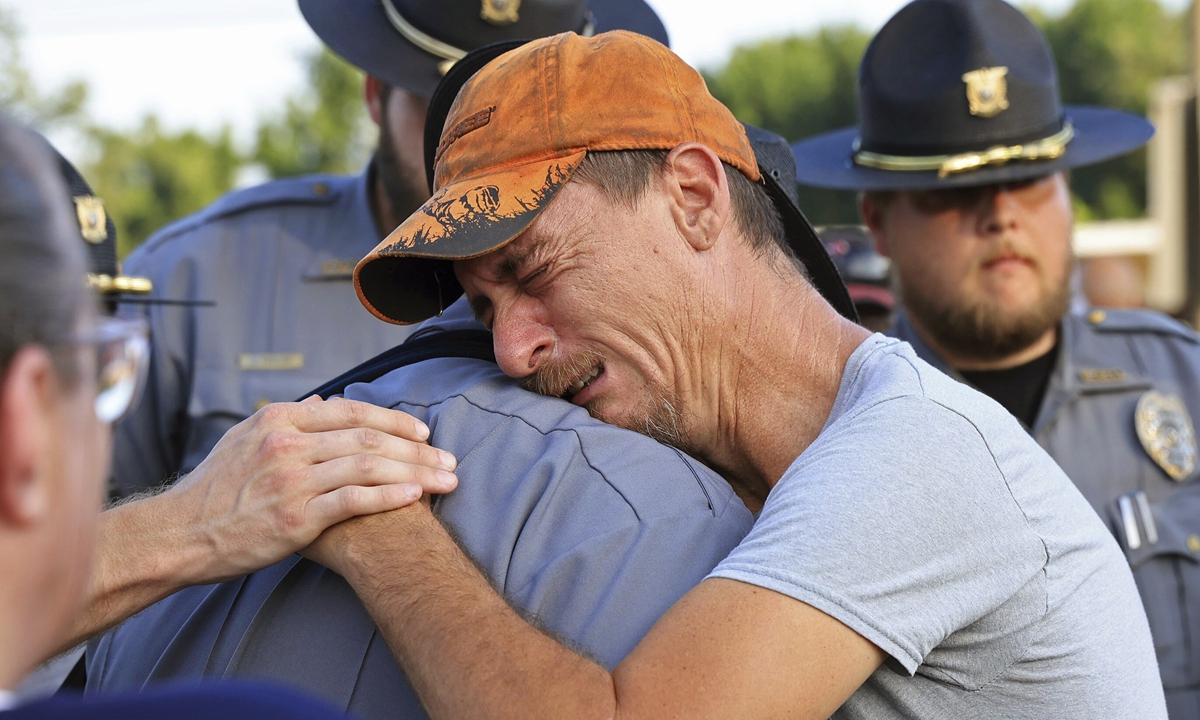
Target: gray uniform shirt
point(594, 529)
point(1107, 360)
point(925, 519)
point(277, 261)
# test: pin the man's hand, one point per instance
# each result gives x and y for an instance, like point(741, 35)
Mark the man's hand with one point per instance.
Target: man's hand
point(279, 478)
point(269, 488)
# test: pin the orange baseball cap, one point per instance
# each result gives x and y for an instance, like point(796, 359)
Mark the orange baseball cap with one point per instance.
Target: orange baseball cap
point(517, 131)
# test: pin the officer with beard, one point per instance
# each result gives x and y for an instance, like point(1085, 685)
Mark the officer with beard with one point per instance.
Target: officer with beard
point(272, 264)
point(961, 156)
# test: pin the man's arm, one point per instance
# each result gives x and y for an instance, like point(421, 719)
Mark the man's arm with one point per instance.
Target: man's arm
point(726, 650)
point(269, 487)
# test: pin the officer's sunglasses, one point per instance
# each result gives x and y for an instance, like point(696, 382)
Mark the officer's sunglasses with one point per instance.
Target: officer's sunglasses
point(122, 361)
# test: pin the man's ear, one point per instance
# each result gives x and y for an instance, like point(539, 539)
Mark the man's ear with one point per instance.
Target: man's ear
point(872, 216)
point(27, 405)
point(373, 97)
point(699, 193)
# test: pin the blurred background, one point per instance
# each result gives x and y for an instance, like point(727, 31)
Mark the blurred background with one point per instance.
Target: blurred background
point(167, 104)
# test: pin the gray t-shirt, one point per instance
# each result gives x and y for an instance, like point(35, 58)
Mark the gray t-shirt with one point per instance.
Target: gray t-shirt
point(925, 519)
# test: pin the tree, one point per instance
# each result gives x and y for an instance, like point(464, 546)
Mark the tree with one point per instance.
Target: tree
point(1111, 52)
point(324, 128)
point(798, 86)
point(150, 177)
point(18, 95)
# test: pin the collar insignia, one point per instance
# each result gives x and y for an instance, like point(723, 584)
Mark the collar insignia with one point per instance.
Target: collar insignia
point(93, 223)
point(987, 91)
point(500, 12)
point(1165, 429)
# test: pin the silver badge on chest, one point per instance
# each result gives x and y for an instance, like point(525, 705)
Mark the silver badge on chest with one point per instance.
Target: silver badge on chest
point(1165, 429)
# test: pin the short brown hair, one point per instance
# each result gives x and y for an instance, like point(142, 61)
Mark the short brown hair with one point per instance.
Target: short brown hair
point(624, 176)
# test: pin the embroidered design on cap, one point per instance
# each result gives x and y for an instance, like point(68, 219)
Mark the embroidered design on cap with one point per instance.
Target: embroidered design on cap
point(479, 208)
point(987, 91)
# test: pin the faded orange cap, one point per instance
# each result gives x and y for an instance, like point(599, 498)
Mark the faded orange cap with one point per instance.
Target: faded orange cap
point(514, 136)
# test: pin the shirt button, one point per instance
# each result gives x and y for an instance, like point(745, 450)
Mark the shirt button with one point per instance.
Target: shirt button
point(1193, 542)
point(320, 189)
point(1096, 317)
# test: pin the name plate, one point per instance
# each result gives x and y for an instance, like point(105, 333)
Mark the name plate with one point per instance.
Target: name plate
point(270, 361)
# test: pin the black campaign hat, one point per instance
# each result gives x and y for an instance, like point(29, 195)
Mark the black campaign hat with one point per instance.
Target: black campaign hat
point(955, 93)
point(771, 151)
point(412, 43)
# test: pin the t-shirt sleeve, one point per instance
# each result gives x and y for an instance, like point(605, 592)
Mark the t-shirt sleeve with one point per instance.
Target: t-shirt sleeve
point(897, 522)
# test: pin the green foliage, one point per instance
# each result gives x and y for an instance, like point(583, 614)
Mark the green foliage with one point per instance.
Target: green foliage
point(150, 177)
point(1110, 52)
point(798, 86)
point(20, 98)
point(324, 128)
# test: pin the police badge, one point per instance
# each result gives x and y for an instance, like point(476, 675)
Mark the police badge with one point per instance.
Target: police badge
point(1165, 430)
point(987, 91)
point(93, 222)
point(500, 12)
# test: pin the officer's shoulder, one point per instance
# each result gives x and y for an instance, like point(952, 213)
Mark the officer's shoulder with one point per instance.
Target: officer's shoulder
point(1106, 322)
point(308, 190)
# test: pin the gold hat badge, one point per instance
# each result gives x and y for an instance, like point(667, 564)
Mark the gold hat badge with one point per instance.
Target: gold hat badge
point(93, 222)
point(1165, 429)
point(501, 12)
point(987, 91)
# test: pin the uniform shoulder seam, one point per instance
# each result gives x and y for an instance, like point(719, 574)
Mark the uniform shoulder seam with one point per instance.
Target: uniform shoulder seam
point(304, 190)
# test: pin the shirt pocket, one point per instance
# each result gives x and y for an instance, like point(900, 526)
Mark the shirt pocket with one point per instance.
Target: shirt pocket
point(1164, 555)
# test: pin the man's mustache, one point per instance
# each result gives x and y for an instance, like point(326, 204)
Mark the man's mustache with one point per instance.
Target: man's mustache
point(556, 375)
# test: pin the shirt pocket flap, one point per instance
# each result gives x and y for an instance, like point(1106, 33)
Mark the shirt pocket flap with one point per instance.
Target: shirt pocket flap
point(1171, 528)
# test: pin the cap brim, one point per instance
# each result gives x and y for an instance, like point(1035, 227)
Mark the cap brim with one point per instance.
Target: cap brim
point(1100, 134)
point(408, 278)
point(360, 32)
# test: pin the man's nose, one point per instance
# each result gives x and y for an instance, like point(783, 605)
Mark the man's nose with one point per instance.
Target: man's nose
point(1000, 211)
point(522, 341)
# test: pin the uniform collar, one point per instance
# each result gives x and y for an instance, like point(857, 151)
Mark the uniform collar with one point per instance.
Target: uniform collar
point(1066, 381)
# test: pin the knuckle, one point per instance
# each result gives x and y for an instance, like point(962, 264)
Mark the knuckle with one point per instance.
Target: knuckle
point(274, 414)
point(278, 442)
point(366, 465)
point(368, 438)
point(290, 517)
point(355, 412)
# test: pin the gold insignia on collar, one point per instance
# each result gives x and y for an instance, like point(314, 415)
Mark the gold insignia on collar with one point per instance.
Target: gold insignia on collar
point(93, 222)
point(987, 91)
point(1165, 429)
point(500, 12)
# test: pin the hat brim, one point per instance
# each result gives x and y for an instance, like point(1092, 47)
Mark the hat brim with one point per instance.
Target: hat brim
point(360, 32)
point(408, 277)
point(1100, 134)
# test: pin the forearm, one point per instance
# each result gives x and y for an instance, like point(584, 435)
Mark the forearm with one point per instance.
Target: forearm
point(467, 653)
point(144, 552)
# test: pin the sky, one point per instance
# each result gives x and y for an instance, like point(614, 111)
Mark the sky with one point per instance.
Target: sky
point(210, 62)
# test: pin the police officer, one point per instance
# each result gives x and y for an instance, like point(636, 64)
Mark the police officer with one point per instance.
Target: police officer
point(276, 260)
point(962, 151)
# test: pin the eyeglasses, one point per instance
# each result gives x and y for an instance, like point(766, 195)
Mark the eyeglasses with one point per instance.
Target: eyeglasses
point(122, 362)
